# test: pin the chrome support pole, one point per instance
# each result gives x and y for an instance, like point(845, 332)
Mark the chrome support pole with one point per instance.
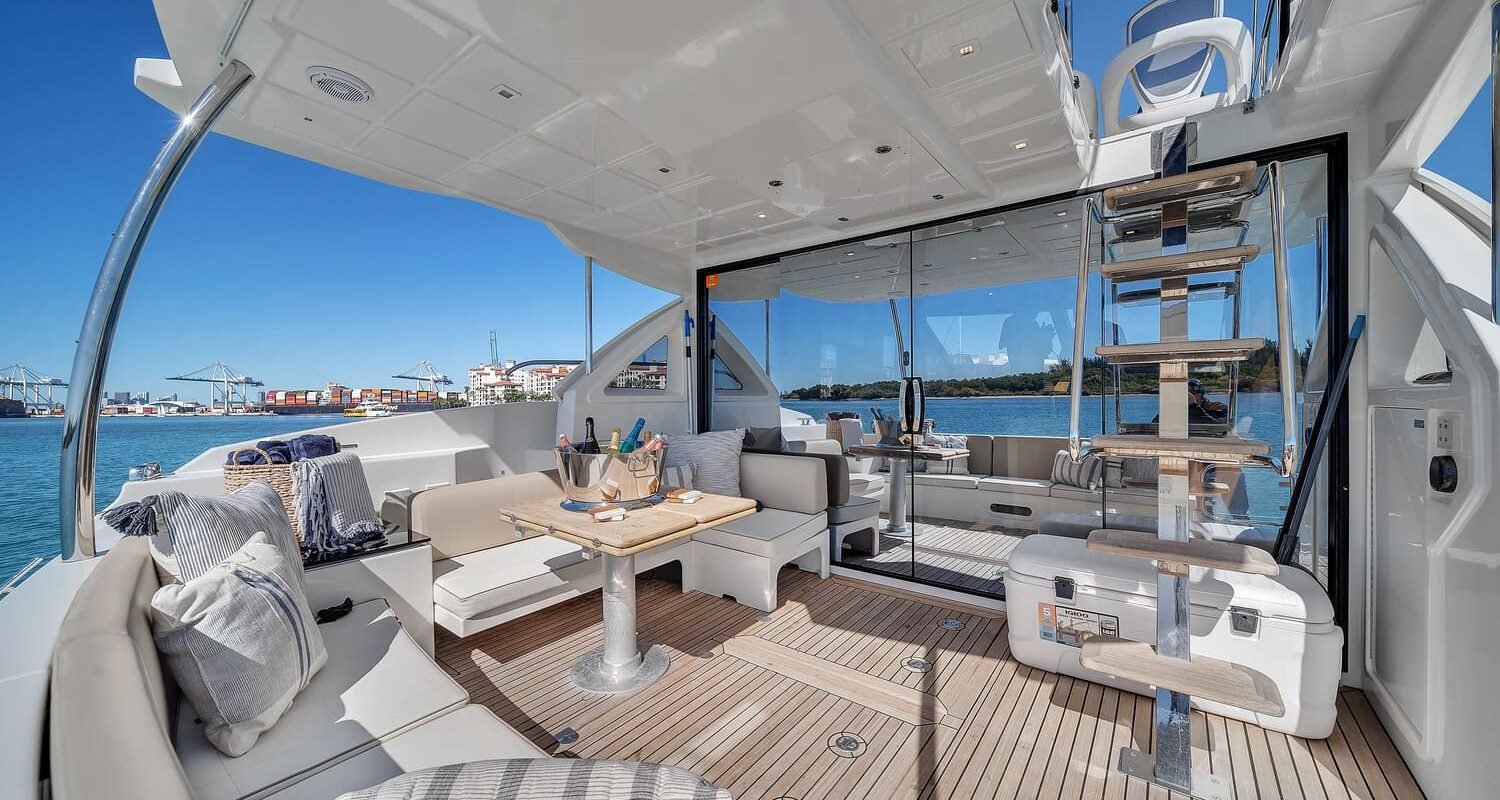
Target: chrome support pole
point(1080, 310)
point(1494, 161)
point(1286, 347)
point(588, 315)
point(768, 335)
point(81, 416)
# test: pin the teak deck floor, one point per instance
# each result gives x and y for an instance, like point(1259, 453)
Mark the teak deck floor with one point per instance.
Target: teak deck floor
point(756, 703)
point(964, 555)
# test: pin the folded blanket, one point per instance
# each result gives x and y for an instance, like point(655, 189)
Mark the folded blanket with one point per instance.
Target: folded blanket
point(275, 448)
point(334, 511)
point(312, 445)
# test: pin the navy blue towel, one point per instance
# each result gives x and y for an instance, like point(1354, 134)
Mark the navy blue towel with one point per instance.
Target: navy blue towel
point(278, 450)
point(313, 445)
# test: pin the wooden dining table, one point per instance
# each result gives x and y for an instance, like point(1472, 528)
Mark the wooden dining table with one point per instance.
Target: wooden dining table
point(618, 665)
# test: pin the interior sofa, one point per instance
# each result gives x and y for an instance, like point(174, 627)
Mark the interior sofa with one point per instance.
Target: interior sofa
point(379, 707)
point(485, 573)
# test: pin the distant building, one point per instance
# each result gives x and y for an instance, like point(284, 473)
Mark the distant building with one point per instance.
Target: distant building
point(544, 380)
point(490, 384)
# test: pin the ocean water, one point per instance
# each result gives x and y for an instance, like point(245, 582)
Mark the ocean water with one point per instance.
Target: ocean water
point(30, 450)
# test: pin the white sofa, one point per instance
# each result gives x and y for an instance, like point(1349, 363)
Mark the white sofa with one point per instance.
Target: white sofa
point(485, 575)
point(380, 707)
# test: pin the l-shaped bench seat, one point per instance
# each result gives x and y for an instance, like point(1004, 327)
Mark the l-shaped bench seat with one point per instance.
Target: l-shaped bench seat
point(485, 574)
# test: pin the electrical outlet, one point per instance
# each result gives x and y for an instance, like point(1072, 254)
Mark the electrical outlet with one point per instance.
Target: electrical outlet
point(1446, 430)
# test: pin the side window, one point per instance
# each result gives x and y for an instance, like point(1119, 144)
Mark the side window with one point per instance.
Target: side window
point(648, 371)
point(724, 379)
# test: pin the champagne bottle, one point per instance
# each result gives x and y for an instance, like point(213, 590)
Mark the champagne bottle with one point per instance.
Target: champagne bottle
point(614, 441)
point(590, 443)
point(635, 433)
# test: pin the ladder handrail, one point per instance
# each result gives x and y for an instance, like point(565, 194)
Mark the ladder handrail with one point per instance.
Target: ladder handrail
point(1286, 348)
point(1286, 540)
point(1080, 310)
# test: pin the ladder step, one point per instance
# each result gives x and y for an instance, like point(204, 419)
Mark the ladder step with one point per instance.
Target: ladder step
point(1229, 449)
point(1182, 265)
point(1231, 556)
point(1198, 183)
point(1189, 352)
point(1201, 677)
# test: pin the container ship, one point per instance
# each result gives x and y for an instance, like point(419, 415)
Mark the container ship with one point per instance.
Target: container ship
point(336, 399)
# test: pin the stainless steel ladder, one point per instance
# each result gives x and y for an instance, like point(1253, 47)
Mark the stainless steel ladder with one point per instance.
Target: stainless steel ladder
point(1167, 202)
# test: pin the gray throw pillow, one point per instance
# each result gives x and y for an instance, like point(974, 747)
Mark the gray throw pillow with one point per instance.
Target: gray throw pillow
point(763, 439)
point(544, 779)
point(953, 466)
point(241, 642)
point(1088, 473)
point(716, 454)
point(682, 476)
point(198, 532)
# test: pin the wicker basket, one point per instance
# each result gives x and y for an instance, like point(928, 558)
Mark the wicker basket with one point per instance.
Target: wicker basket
point(238, 476)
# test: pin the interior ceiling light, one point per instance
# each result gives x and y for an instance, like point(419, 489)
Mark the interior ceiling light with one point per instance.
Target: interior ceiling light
point(850, 253)
point(973, 258)
point(1062, 213)
point(1130, 232)
point(340, 85)
point(775, 184)
point(882, 149)
point(663, 169)
point(966, 49)
point(937, 197)
point(1022, 145)
point(761, 215)
point(843, 219)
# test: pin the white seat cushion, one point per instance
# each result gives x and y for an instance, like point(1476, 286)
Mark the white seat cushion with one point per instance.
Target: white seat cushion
point(866, 485)
point(858, 508)
point(471, 733)
point(473, 583)
point(1036, 487)
point(949, 481)
point(378, 682)
point(758, 532)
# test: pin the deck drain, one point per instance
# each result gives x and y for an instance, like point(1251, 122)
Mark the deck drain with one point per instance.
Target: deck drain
point(846, 745)
point(566, 736)
point(917, 664)
point(952, 624)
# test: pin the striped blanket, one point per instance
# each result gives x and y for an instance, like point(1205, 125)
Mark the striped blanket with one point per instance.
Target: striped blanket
point(334, 511)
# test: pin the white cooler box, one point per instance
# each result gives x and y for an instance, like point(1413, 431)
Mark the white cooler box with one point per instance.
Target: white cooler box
point(1282, 626)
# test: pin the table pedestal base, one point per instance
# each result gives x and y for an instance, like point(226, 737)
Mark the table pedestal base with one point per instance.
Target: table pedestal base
point(592, 674)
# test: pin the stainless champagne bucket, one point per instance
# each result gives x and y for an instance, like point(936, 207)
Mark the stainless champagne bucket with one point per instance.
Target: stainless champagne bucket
point(595, 479)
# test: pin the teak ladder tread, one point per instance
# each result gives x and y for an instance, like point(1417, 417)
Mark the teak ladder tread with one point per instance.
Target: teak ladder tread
point(1197, 350)
point(1230, 556)
point(1200, 448)
point(1186, 186)
point(1180, 265)
point(1201, 677)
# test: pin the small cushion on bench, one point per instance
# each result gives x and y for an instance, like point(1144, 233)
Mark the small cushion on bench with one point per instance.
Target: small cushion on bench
point(866, 484)
point(856, 509)
point(756, 533)
point(471, 733)
point(948, 481)
point(377, 683)
point(477, 582)
point(1036, 487)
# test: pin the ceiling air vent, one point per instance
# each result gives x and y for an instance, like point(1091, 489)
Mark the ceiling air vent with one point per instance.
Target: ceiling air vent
point(340, 85)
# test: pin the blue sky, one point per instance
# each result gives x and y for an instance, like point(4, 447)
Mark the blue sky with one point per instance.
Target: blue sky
point(286, 270)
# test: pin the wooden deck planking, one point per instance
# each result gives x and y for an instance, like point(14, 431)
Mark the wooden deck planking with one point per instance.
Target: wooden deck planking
point(959, 554)
point(1010, 731)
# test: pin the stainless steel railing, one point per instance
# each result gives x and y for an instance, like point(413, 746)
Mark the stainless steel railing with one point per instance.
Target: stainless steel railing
point(1080, 312)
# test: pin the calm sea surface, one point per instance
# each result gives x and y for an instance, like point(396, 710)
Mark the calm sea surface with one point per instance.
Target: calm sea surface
point(30, 449)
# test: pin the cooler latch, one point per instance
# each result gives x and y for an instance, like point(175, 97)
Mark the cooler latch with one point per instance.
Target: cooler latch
point(1244, 620)
point(1063, 588)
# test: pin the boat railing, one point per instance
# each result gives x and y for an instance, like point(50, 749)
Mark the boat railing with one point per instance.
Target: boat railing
point(20, 575)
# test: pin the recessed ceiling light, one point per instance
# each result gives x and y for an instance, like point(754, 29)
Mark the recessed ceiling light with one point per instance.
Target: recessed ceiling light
point(1063, 213)
point(850, 253)
point(937, 197)
point(1130, 232)
point(664, 169)
point(506, 92)
point(856, 277)
point(965, 50)
point(761, 215)
point(973, 258)
point(1022, 145)
point(843, 219)
point(882, 149)
point(774, 184)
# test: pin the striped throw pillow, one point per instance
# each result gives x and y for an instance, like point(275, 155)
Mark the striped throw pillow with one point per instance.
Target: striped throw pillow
point(1086, 474)
point(545, 779)
point(199, 532)
point(717, 456)
point(241, 642)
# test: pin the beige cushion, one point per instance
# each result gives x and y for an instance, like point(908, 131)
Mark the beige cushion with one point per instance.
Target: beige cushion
point(108, 712)
point(470, 733)
point(786, 482)
point(1035, 487)
point(1025, 456)
point(759, 532)
point(866, 485)
point(949, 481)
point(378, 682)
point(980, 454)
point(474, 583)
point(466, 517)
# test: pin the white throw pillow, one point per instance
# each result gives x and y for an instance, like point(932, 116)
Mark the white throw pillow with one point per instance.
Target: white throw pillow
point(717, 456)
point(241, 642)
point(544, 779)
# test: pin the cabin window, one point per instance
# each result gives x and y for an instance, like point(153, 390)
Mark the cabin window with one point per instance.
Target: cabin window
point(647, 372)
point(724, 378)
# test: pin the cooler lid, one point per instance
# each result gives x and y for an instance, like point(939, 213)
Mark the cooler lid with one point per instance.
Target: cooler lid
point(1292, 595)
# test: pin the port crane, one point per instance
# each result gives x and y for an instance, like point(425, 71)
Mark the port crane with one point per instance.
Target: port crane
point(426, 376)
point(227, 384)
point(31, 388)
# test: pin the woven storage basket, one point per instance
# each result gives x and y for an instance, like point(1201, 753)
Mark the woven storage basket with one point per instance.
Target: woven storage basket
point(238, 476)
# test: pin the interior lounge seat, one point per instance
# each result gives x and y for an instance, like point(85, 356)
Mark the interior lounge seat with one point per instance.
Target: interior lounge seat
point(852, 517)
point(378, 708)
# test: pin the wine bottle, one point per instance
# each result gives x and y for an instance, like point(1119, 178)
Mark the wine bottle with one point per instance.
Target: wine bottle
point(590, 443)
point(635, 433)
point(563, 444)
point(614, 441)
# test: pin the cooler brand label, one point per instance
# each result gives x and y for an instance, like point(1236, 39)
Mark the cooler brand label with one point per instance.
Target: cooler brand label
point(1069, 626)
